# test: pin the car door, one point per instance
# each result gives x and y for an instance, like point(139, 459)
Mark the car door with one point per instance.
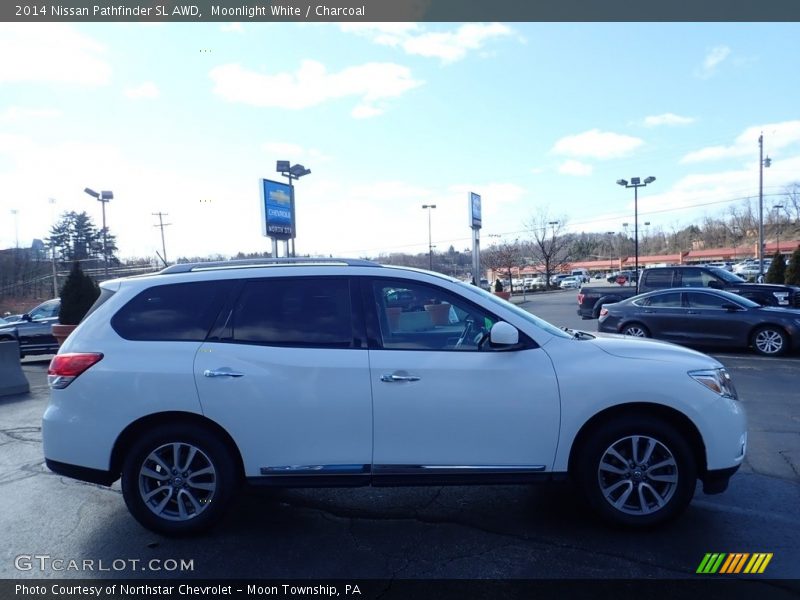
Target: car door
point(36, 332)
point(286, 373)
point(711, 324)
point(664, 315)
point(445, 402)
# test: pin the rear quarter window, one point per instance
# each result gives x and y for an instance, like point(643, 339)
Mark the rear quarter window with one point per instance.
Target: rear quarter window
point(175, 312)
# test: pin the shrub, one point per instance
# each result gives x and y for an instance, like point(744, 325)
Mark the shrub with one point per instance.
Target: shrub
point(793, 270)
point(498, 285)
point(77, 296)
point(777, 270)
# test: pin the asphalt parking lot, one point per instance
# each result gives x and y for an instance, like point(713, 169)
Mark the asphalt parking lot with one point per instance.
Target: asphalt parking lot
point(502, 532)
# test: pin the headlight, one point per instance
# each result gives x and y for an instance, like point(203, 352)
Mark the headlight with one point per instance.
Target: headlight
point(717, 380)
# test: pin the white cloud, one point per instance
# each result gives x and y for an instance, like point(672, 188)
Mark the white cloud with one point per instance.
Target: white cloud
point(232, 27)
point(667, 119)
point(312, 85)
point(51, 53)
point(447, 46)
point(148, 90)
point(575, 168)
point(713, 59)
point(18, 113)
point(777, 136)
point(597, 144)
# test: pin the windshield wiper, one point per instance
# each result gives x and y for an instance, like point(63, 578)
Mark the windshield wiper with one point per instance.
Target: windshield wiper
point(578, 335)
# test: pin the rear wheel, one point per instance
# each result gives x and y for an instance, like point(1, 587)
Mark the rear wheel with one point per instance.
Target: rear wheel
point(770, 341)
point(178, 480)
point(637, 471)
point(636, 330)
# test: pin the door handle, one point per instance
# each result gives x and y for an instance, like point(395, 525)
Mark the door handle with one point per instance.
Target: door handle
point(392, 378)
point(223, 372)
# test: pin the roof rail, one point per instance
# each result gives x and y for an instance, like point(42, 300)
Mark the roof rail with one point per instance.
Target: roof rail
point(265, 262)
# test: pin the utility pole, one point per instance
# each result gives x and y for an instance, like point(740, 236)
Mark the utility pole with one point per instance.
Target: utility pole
point(161, 225)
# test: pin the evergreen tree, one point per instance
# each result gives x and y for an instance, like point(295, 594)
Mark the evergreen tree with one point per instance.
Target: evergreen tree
point(777, 270)
point(793, 270)
point(75, 237)
point(77, 296)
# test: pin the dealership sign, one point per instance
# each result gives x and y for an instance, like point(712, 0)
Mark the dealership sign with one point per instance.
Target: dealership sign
point(277, 210)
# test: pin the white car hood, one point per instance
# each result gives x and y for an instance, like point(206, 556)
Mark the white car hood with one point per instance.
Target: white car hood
point(646, 349)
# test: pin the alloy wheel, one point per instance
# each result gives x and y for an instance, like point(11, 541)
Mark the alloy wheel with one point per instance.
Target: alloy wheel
point(177, 481)
point(638, 475)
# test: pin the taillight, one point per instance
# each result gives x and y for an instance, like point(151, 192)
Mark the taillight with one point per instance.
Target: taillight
point(603, 312)
point(64, 368)
point(580, 298)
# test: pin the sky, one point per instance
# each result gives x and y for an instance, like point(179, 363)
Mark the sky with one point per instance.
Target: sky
point(186, 118)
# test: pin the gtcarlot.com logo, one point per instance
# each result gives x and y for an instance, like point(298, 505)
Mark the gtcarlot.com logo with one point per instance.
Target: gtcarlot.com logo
point(737, 562)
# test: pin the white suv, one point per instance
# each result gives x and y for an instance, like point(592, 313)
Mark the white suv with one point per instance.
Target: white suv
point(345, 372)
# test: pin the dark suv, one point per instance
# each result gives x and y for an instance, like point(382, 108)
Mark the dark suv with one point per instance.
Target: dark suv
point(34, 329)
point(766, 294)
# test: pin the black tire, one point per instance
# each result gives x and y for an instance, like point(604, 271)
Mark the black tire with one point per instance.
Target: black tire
point(769, 340)
point(636, 330)
point(653, 494)
point(178, 502)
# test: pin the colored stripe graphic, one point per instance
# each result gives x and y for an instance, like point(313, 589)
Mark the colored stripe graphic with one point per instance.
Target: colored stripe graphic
point(711, 563)
point(730, 564)
point(734, 563)
point(758, 563)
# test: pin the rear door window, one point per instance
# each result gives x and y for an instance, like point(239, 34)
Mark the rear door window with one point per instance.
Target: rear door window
point(658, 278)
point(297, 312)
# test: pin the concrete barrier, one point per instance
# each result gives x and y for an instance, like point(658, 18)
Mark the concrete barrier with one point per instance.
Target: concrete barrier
point(12, 379)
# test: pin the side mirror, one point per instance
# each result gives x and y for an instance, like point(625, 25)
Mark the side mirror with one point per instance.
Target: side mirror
point(715, 284)
point(503, 334)
point(731, 307)
point(25, 317)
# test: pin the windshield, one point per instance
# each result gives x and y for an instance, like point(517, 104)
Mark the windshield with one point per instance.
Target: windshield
point(533, 319)
point(727, 276)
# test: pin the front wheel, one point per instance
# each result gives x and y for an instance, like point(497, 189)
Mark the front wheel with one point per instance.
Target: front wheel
point(770, 341)
point(637, 471)
point(178, 480)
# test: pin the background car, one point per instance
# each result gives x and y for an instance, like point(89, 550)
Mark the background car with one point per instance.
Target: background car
point(573, 282)
point(34, 329)
point(704, 317)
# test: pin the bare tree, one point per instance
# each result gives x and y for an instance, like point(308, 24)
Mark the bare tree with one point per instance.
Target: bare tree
point(549, 246)
point(505, 257)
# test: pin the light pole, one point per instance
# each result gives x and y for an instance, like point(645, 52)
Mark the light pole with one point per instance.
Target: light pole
point(762, 162)
point(734, 232)
point(103, 197)
point(52, 203)
point(14, 212)
point(636, 183)
point(610, 235)
point(430, 241)
point(776, 208)
point(646, 228)
point(292, 172)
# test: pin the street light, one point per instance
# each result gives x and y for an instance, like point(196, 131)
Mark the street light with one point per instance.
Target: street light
point(636, 183)
point(776, 208)
point(292, 172)
point(762, 162)
point(610, 235)
point(102, 197)
point(430, 246)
